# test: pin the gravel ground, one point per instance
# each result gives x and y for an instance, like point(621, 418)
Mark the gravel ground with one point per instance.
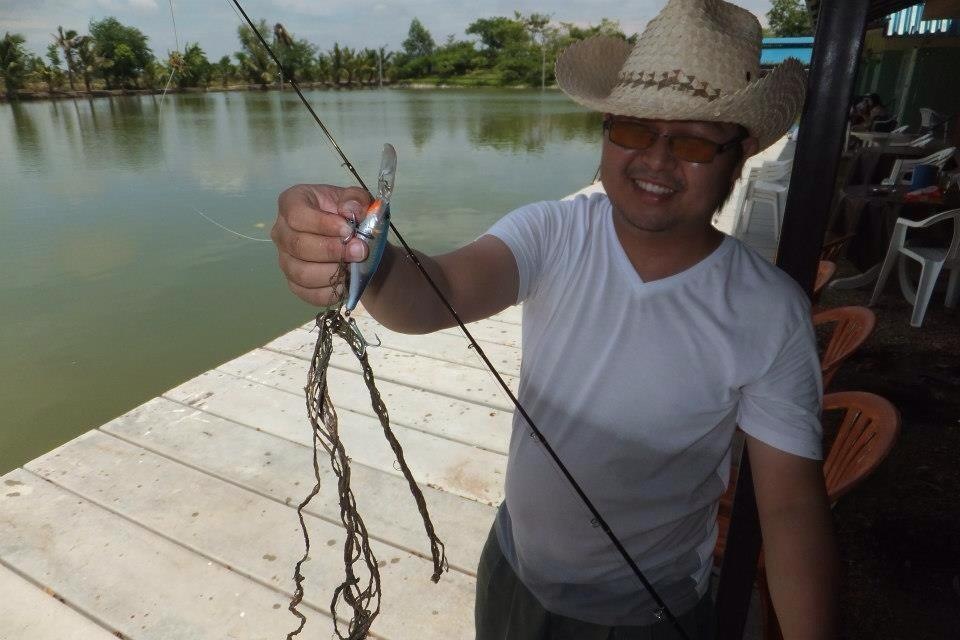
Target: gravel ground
point(899, 531)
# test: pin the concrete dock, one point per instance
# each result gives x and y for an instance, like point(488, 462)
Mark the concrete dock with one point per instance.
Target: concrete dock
point(177, 519)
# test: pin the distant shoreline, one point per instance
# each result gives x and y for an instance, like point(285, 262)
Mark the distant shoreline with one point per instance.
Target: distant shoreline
point(35, 96)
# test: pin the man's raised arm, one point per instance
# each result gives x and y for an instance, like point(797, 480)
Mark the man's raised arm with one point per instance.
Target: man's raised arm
point(479, 279)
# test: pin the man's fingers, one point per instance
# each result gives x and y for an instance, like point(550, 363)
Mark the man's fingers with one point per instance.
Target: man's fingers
point(352, 203)
point(322, 209)
point(319, 297)
point(309, 220)
point(312, 275)
point(312, 223)
point(310, 247)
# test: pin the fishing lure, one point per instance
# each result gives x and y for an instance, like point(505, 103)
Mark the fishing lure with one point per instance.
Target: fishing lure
point(373, 229)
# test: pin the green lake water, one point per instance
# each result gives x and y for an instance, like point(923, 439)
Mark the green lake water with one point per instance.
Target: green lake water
point(114, 289)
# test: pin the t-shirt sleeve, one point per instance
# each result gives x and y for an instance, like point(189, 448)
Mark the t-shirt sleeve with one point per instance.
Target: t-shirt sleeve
point(528, 231)
point(782, 407)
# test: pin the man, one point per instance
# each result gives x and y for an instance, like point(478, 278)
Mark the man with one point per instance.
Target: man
point(647, 337)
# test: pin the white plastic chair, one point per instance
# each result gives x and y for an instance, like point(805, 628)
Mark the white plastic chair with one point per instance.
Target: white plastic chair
point(766, 185)
point(932, 260)
point(902, 129)
point(880, 125)
point(846, 142)
point(902, 171)
point(929, 118)
point(921, 141)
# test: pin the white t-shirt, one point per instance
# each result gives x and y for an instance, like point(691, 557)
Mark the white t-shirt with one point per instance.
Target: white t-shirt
point(638, 387)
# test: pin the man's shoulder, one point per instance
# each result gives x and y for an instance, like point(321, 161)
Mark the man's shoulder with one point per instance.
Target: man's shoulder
point(569, 208)
point(576, 216)
point(764, 286)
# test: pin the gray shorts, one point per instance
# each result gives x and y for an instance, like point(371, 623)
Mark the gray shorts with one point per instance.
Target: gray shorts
point(506, 610)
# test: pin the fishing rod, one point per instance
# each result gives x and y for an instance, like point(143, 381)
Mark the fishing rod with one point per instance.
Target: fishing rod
point(598, 520)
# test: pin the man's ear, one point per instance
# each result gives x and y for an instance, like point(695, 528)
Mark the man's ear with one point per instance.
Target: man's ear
point(749, 147)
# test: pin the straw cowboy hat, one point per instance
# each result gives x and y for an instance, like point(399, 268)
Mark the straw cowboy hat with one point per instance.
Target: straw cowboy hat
point(697, 60)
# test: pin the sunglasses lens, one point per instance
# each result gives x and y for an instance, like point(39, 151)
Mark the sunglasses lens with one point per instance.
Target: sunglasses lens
point(635, 135)
point(692, 149)
point(631, 135)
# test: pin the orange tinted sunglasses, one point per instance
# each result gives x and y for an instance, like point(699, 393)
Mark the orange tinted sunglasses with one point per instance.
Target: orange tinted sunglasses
point(636, 135)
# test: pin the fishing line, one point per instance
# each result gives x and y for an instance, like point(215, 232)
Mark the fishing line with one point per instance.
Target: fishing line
point(173, 19)
point(598, 520)
point(163, 95)
point(176, 40)
point(346, 162)
point(225, 228)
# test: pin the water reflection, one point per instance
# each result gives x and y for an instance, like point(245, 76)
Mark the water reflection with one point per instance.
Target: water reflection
point(530, 132)
point(294, 122)
point(421, 119)
point(26, 136)
point(261, 123)
point(119, 132)
point(99, 200)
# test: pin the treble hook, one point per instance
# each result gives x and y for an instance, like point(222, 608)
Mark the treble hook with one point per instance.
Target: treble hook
point(355, 231)
point(364, 343)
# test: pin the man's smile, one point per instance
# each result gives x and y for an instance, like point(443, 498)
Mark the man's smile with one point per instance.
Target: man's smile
point(654, 188)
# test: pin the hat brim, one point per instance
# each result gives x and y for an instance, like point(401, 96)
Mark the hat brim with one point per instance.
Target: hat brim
point(588, 71)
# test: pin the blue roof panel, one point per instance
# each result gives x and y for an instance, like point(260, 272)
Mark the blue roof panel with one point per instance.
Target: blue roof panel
point(776, 50)
point(776, 56)
point(790, 42)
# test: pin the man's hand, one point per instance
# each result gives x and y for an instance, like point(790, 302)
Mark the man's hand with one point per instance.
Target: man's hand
point(313, 222)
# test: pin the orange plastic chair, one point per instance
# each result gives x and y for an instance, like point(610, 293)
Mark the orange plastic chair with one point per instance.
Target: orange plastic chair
point(853, 325)
point(825, 273)
point(867, 432)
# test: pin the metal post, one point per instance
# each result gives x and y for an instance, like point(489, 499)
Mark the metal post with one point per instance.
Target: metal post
point(836, 54)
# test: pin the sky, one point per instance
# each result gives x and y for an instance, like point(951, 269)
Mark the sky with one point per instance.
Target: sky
point(354, 23)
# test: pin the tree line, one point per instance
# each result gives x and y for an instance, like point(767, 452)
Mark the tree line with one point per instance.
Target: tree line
point(518, 50)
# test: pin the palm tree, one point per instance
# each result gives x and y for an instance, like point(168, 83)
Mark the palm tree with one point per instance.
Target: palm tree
point(51, 74)
point(87, 59)
point(369, 63)
point(13, 63)
point(350, 63)
point(68, 42)
point(336, 63)
point(254, 62)
point(223, 69)
point(323, 68)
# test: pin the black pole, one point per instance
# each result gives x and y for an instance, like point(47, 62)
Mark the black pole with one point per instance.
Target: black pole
point(833, 71)
point(833, 68)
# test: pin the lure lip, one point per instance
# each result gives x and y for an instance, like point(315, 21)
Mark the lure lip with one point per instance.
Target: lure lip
point(387, 174)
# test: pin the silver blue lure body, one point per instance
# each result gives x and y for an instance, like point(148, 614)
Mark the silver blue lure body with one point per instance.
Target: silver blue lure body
point(373, 229)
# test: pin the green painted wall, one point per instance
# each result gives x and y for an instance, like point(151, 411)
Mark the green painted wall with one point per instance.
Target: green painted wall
point(935, 83)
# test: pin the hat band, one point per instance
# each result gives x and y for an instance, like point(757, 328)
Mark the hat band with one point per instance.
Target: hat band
point(676, 80)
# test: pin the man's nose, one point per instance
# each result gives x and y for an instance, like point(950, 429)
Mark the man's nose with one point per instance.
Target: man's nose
point(658, 156)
